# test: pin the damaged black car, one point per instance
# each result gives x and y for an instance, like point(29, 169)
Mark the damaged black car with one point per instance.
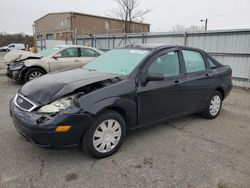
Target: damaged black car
point(121, 90)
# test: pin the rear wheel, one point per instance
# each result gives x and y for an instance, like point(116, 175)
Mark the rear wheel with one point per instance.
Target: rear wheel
point(105, 136)
point(213, 106)
point(33, 73)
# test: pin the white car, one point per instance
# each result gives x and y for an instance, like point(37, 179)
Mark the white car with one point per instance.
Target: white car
point(25, 66)
point(4, 49)
point(16, 46)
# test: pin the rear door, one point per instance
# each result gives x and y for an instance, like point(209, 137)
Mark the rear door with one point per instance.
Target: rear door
point(86, 55)
point(197, 83)
point(67, 58)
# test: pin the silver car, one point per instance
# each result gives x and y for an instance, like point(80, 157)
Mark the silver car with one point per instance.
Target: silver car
point(24, 66)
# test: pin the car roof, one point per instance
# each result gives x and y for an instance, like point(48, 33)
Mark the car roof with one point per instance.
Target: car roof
point(159, 46)
point(70, 45)
point(150, 46)
point(78, 46)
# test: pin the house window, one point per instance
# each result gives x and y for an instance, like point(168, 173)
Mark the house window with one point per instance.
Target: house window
point(39, 37)
point(49, 36)
point(64, 23)
point(106, 25)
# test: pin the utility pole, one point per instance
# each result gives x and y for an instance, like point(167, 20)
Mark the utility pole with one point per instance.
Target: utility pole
point(94, 38)
point(205, 20)
point(75, 36)
point(34, 47)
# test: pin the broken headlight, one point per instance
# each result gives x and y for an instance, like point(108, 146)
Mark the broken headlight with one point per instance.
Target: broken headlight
point(16, 66)
point(57, 106)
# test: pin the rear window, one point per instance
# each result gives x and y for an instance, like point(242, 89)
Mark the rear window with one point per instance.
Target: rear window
point(211, 63)
point(212, 60)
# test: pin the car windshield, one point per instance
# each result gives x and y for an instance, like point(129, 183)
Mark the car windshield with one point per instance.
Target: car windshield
point(48, 51)
point(118, 61)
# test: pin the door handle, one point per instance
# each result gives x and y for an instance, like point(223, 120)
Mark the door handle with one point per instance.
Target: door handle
point(177, 83)
point(207, 75)
point(76, 60)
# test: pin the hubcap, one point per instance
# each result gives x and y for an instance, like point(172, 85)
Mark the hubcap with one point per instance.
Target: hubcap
point(34, 75)
point(215, 105)
point(107, 135)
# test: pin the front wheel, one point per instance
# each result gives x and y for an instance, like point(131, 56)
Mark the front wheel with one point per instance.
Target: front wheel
point(213, 107)
point(105, 136)
point(33, 73)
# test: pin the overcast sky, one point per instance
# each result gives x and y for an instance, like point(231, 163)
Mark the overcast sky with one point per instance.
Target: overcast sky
point(19, 15)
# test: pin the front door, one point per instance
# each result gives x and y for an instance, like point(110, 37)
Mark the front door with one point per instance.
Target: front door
point(86, 55)
point(158, 100)
point(67, 58)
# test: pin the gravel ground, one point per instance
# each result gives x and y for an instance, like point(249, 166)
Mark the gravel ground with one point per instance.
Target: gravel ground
point(190, 152)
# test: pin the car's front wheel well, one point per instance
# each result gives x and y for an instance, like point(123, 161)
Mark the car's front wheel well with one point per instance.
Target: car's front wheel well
point(122, 112)
point(219, 89)
point(29, 68)
point(37, 67)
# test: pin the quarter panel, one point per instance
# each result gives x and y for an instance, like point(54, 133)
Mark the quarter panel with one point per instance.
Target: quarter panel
point(38, 63)
point(129, 107)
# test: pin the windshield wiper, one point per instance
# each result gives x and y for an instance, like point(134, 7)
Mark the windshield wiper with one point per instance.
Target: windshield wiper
point(91, 69)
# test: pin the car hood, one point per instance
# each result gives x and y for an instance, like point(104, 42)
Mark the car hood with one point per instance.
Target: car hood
point(19, 55)
point(51, 87)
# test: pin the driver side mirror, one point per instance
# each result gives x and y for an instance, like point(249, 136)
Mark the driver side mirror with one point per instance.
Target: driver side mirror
point(152, 77)
point(56, 56)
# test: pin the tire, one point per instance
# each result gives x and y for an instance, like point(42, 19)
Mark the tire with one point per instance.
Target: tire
point(212, 110)
point(105, 136)
point(33, 72)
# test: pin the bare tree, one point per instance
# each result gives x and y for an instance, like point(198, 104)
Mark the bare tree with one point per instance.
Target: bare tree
point(181, 28)
point(195, 28)
point(178, 28)
point(6, 39)
point(128, 11)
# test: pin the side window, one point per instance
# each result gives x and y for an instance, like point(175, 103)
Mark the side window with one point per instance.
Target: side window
point(69, 52)
point(211, 63)
point(194, 61)
point(167, 64)
point(85, 52)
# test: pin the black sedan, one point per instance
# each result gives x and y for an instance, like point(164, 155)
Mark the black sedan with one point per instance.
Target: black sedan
point(122, 90)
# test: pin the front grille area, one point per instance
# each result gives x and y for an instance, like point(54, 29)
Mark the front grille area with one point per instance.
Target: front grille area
point(23, 103)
